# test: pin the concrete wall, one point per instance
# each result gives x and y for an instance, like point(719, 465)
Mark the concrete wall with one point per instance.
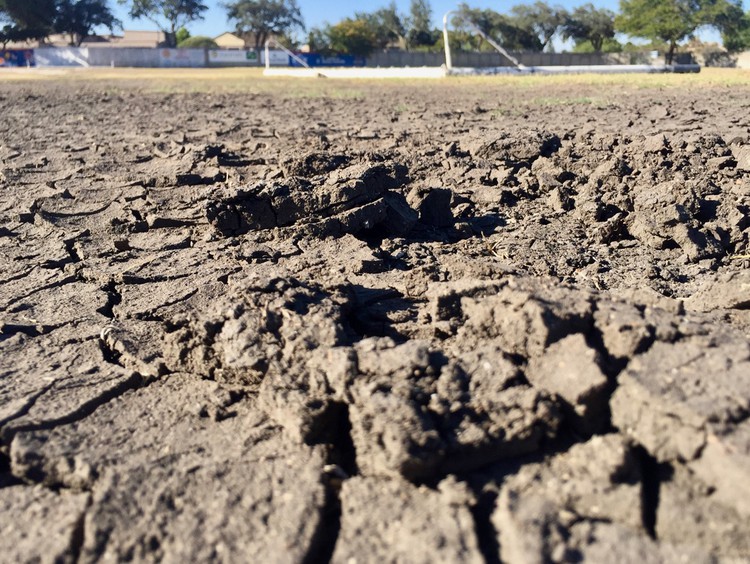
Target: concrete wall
point(494, 59)
point(743, 60)
point(62, 57)
point(149, 57)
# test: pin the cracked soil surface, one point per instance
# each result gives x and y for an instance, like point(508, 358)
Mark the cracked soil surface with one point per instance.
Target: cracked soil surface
point(416, 323)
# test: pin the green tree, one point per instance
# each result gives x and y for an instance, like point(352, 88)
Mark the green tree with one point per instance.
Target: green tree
point(181, 35)
point(420, 24)
point(318, 40)
point(353, 37)
point(264, 18)
point(607, 46)
point(28, 19)
point(736, 36)
point(387, 25)
point(168, 15)
point(78, 18)
point(588, 24)
point(500, 27)
point(540, 19)
point(198, 42)
point(673, 21)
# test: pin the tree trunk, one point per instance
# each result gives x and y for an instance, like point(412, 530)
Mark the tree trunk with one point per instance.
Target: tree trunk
point(670, 53)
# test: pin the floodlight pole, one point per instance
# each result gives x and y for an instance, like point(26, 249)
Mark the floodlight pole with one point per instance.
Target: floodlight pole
point(446, 41)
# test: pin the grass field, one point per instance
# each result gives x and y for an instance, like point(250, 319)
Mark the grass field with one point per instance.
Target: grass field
point(252, 81)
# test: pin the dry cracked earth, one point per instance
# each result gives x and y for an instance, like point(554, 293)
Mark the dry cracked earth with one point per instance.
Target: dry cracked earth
point(414, 324)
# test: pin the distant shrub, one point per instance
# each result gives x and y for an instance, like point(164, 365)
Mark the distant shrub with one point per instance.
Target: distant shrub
point(198, 42)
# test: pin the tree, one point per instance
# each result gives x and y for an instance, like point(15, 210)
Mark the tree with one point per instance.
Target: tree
point(168, 15)
point(181, 35)
point(736, 37)
point(588, 24)
point(673, 21)
point(28, 19)
point(77, 18)
point(264, 18)
point(420, 24)
point(607, 46)
point(540, 19)
point(198, 42)
point(500, 27)
point(318, 40)
point(386, 24)
point(353, 37)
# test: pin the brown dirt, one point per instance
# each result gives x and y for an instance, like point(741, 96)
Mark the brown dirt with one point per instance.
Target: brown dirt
point(463, 322)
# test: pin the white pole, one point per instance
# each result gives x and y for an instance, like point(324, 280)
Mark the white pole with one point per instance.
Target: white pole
point(268, 57)
point(446, 42)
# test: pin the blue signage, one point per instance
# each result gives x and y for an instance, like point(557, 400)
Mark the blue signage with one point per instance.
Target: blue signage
point(318, 60)
point(17, 58)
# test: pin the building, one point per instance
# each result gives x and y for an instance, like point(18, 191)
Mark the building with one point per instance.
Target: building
point(228, 40)
point(129, 38)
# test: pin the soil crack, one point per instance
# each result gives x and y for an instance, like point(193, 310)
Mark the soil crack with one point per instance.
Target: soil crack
point(340, 465)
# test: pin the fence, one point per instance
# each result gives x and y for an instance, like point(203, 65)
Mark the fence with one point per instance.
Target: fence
point(149, 57)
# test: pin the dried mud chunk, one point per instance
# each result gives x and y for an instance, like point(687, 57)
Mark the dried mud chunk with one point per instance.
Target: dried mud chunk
point(390, 520)
point(210, 510)
point(253, 328)
point(136, 345)
point(571, 369)
point(351, 197)
point(525, 321)
point(656, 144)
point(690, 513)
point(724, 465)
point(669, 398)
point(433, 205)
point(39, 525)
point(414, 415)
point(729, 290)
point(623, 328)
point(172, 485)
point(580, 505)
point(522, 147)
point(313, 164)
point(392, 429)
point(741, 154)
point(665, 215)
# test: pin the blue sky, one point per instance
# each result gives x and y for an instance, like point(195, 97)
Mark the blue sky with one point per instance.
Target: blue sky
point(316, 13)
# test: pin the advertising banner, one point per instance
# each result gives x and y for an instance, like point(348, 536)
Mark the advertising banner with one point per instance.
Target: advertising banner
point(318, 60)
point(182, 57)
point(277, 58)
point(17, 58)
point(233, 56)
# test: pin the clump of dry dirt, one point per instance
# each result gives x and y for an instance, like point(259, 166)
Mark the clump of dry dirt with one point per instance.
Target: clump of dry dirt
point(465, 330)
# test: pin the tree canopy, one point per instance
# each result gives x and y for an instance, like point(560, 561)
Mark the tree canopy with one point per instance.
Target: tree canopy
point(420, 24)
point(78, 18)
point(541, 19)
point(168, 15)
point(508, 30)
point(590, 24)
point(37, 19)
point(672, 21)
point(27, 20)
point(264, 18)
point(352, 36)
point(387, 25)
point(198, 42)
point(737, 37)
